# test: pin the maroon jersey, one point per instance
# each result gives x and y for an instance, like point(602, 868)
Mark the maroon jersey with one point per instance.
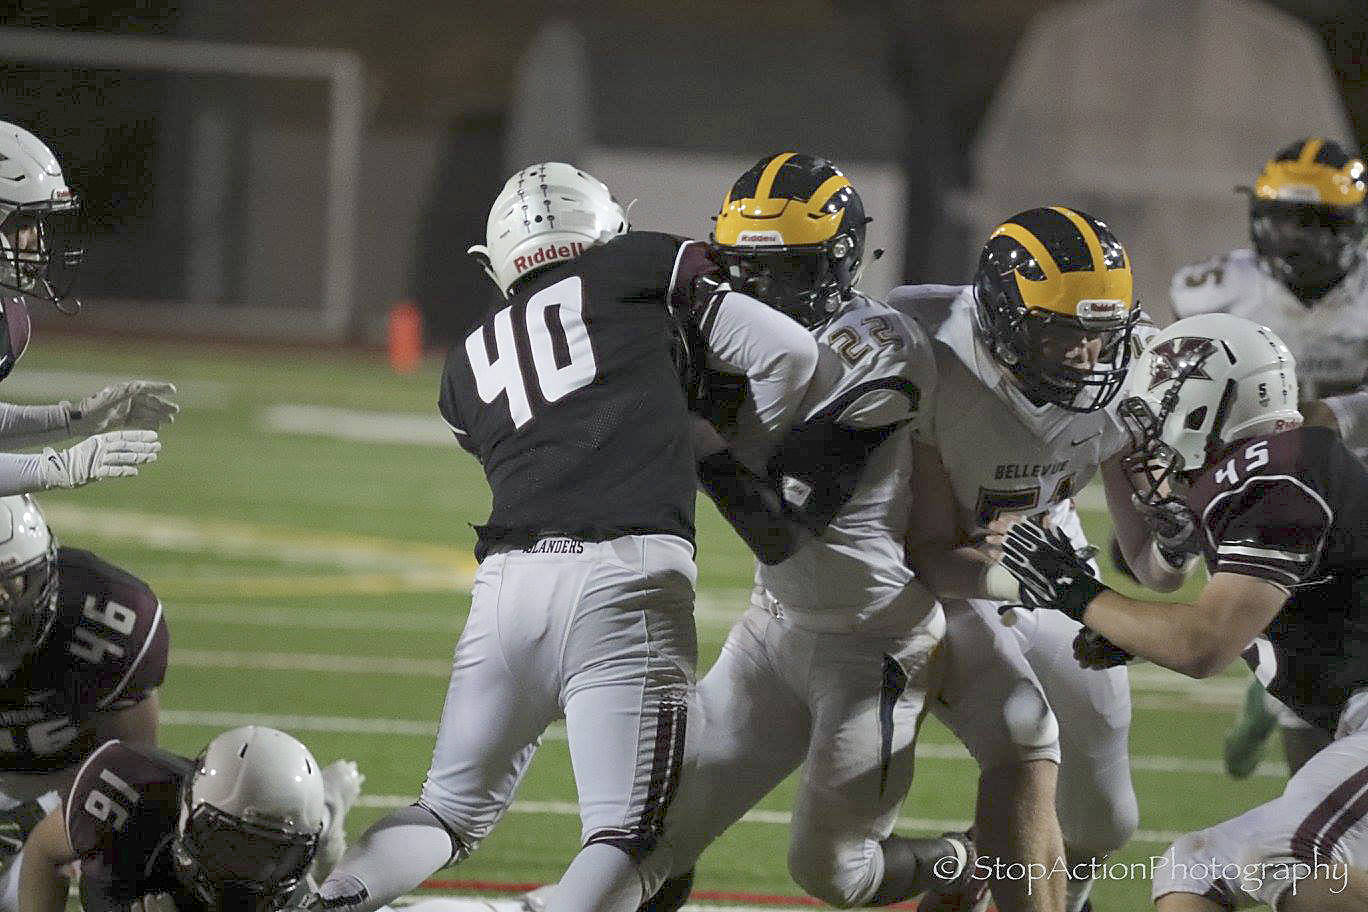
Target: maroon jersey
point(1292, 509)
point(120, 816)
point(106, 650)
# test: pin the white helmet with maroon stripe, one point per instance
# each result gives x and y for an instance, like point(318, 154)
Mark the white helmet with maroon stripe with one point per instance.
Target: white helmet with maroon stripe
point(1201, 384)
point(546, 214)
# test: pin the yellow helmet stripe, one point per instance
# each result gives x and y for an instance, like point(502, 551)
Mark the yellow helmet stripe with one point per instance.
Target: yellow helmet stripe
point(1090, 237)
point(824, 192)
point(766, 183)
point(1310, 149)
point(1033, 246)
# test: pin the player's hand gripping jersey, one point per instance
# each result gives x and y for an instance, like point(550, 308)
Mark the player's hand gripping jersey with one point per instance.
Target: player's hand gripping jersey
point(1289, 508)
point(106, 650)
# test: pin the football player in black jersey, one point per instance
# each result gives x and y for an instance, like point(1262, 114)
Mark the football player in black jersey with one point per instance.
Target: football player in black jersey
point(570, 396)
point(235, 830)
point(83, 649)
point(1277, 511)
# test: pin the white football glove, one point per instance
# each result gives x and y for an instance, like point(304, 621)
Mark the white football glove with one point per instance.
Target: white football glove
point(108, 455)
point(341, 787)
point(131, 404)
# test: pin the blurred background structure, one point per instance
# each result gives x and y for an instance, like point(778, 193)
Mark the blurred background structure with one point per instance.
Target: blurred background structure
point(288, 171)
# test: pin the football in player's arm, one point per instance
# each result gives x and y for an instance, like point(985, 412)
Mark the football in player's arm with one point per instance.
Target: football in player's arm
point(1277, 507)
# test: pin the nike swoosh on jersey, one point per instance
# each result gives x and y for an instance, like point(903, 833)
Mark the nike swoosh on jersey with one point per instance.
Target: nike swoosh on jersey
point(1085, 439)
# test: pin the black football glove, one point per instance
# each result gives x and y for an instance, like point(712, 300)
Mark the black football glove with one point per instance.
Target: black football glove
point(1052, 573)
point(1174, 527)
point(1092, 650)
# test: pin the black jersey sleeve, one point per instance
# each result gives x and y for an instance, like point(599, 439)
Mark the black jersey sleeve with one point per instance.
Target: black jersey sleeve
point(1272, 527)
point(448, 405)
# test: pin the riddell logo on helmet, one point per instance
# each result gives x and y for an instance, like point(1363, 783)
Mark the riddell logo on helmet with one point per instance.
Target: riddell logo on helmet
point(548, 254)
point(1299, 193)
point(760, 237)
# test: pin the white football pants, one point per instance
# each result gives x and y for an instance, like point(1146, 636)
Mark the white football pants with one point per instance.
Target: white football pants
point(1318, 826)
point(600, 632)
point(845, 704)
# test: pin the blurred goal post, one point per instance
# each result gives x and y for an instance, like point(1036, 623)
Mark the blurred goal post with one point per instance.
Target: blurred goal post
point(340, 70)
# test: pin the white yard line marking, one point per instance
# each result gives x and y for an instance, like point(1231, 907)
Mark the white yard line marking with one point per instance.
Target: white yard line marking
point(277, 544)
point(418, 428)
point(1148, 691)
point(294, 661)
point(556, 732)
point(331, 619)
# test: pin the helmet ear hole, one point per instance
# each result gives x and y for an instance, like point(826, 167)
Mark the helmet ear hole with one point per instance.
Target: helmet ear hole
point(1195, 418)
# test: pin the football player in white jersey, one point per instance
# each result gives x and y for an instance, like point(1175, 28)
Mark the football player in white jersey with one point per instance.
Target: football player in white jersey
point(39, 255)
point(830, 665)
point(1306, 279)
point(1029, 359)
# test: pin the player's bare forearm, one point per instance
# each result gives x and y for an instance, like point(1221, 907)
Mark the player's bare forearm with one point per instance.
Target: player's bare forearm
point(952, 572)
point(1166, 634)
point(1197, 640)
point(1137, 543)
point(42, 886)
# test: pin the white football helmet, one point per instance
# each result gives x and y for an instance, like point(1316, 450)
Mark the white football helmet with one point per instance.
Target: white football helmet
point(28, 580)
point(546, 214)
point(40, 246)
point(250, 819)
point(1201, 384)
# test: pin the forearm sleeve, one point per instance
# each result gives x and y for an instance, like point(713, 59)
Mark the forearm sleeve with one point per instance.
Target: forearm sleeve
point(21, 473)
point(24, 426)
point(752, 506)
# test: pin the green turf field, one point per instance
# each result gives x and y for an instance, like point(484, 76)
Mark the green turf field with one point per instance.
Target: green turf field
point(316, 582)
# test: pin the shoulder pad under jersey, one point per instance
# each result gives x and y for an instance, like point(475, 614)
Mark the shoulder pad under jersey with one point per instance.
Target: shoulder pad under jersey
point(113, 633)
point(885, 361)
point(929, 305)
point(1214, 285)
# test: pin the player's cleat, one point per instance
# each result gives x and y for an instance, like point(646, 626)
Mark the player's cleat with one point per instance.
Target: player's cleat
point(1244, 743)
point(964, 892)
point(341, 787)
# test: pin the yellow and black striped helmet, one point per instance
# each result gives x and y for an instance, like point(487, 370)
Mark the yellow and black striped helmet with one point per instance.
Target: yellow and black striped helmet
point(1050, 281)
point(791, 232)
point(1307, 216)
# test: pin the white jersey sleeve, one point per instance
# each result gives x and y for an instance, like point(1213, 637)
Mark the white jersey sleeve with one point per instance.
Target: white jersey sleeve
point(1351, 411)
point(776, 355)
